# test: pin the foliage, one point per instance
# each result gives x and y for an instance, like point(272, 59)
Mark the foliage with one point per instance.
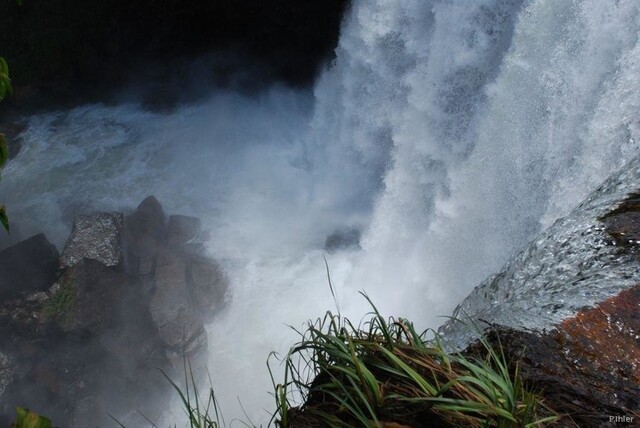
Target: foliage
point(196, 410)
point(385, 372)
point(61, 304)
point(5, 87)
point(29, 419)
point(199, 413)
point(5, 81)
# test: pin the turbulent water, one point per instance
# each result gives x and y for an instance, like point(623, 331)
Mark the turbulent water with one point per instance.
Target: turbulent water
point(449, 133)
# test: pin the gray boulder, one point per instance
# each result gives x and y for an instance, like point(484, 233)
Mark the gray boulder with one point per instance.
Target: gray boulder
point(172, 310)
point(96, 237)
point(88, 297)
point(342, 239)
point(144, 235)
point(27, 267)
point(182, 230)
point(207, 285)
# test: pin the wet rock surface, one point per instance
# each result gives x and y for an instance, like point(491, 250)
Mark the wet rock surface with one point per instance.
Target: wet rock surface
point(96, 237)
point(579, 282)
point(580, 261)
point(342, 239)
point(587, 368)
point(27, 267)
point(125, 303)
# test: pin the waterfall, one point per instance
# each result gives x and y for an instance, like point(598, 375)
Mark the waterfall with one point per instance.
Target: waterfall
point(448, 132)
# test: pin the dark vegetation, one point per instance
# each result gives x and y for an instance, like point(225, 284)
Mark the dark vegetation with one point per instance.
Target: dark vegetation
point(5, 88)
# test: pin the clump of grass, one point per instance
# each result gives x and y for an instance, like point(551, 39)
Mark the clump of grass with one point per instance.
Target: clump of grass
point(200, 413)
point(383, 372)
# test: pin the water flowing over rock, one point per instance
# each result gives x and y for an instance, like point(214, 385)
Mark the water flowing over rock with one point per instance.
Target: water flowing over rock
point(97, 237)
point(574, 264)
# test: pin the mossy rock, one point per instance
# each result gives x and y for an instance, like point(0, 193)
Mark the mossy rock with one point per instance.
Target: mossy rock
point(61, 305)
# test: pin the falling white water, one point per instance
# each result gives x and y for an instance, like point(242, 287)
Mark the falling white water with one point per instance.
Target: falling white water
point(449, 132)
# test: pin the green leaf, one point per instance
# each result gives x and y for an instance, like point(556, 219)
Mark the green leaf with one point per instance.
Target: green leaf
point(29, 419)
point(5, 81)
point(4, 67)
point(4, 220)
point(4, 151)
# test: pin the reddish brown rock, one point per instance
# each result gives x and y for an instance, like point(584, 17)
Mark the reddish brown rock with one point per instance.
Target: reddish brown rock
point(608, 336)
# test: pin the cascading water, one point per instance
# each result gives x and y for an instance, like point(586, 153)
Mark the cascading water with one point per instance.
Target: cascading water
point(449, 132)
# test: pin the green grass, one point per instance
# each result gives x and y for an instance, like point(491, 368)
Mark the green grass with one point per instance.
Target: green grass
point(200, 413)
point(61, 305)
point(383, 372)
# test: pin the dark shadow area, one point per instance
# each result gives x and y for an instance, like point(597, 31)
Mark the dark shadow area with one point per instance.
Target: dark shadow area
point(72, 52)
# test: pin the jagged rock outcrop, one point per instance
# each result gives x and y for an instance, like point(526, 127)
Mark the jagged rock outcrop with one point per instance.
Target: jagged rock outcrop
point(27, 267)
point(172, 309)
point(182, 230)
point(129, 295)
point(144, 231)
point(96, 237)
point(185, 287)
point(90, 296)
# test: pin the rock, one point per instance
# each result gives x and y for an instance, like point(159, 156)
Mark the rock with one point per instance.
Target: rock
point(207, 285)
point(171, 306)
point(582, 260)
point(146, 225)
point(144, 232)
point(342, 239)
point(588, 366)
point(96, 237)
point(88, 297)
point(127, 302)
point(27, 267)
point(6, 372)
point(182, 230)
